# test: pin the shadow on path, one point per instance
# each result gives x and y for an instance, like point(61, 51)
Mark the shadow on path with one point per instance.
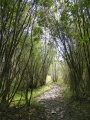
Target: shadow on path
point(52, 107)
point(53, 102)
point(56, 108)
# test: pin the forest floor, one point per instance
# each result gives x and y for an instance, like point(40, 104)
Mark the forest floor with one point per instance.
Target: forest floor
point(58, 108)
point(50, 105)
point(53, 103)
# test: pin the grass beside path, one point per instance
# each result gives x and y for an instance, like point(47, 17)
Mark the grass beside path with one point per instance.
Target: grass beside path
point(36, 92)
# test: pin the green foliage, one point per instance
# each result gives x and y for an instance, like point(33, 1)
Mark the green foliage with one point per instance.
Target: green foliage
point(24, 59)
point(46, 3)
point(37, 30)
point(31, 34)
point(36, 93)
point(71, 35)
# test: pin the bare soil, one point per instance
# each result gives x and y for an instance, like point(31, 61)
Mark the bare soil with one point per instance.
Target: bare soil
point(52, 106)
point(53, 102)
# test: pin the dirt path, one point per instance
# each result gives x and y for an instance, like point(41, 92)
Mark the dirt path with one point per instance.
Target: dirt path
point(53, 106)
point(53, 102)
point(57, 108)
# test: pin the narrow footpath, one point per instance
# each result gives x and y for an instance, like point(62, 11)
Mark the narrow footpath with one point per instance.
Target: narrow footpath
point(53, 102)
point(57, 108)
point(51, 105)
